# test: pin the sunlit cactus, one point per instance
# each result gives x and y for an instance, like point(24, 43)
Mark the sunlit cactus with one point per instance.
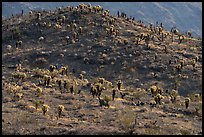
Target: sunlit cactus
point(45, 109)
point(181, 38)
point(60, 109)
point(39, 91)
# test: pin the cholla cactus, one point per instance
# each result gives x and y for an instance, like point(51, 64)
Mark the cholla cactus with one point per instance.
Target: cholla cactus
point(39, 91)
point(18, 43)
point(46, 80)
point(182, 63)
point(65, 84)
point(113, 94)
point(71, 88)
point(80, 30)
point(160, 30)
point(173, 95)
point(99, 89)
point(147, 39)
point(38, 16)
point(153, 90)
point(137, 39)
point(196, 58)
point(104, 102)
point(193, 63)
point(187, 102)
point(107, 99)
point(189, 33)
point(52, 68)
point(59, 82)
point(101, 80)
point(160, 90)
point(158, 98)
point(178, 67)
point(63, 70)
point(181, 38)
point(119, 84)
point(93, 90)
point(125, 41)
point(18, 67)
point(20, 75)
point(63, 18)
point(19, 95)
point(81, 76)
point(74, 35)
point(197, 97)
point(174, 31)
point(60, 109)
point(45, 109)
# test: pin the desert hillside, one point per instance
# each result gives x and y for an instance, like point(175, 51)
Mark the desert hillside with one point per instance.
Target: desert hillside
point(169, 13)
point(81, 70)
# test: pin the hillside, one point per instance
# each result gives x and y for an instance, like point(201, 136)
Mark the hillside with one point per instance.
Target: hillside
point(92, 44)
point(169, 13)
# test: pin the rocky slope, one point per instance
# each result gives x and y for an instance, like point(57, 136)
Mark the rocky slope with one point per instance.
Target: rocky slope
point(96, 44)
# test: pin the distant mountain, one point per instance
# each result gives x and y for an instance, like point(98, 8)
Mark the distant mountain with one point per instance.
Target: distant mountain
point(184, 15)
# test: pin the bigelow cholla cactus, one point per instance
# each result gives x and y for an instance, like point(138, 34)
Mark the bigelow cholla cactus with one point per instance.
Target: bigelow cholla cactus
point(153, 90)
point(45, 109)
point(158, 98)
point(181, 38)
point(39, 91)
point(119, 84)
point(174, 31)
point(60, 109)
point(104, 101)
point(52, 68)
point(187, 102)
point(93, 90)
point(194, 64)
point(173, 95)
point(19, 75)
point(46, 80)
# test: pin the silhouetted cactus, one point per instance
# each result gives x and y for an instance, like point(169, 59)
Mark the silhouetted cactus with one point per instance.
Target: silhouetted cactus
point(119, 84)
point(187, 102)
point(38, 15)
point(189, 34)
point(182, 63)
point(113, 94)
point(196, 59)
point(99, 89)
point(72, 89)
point(93, 91)
point(174, 31)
